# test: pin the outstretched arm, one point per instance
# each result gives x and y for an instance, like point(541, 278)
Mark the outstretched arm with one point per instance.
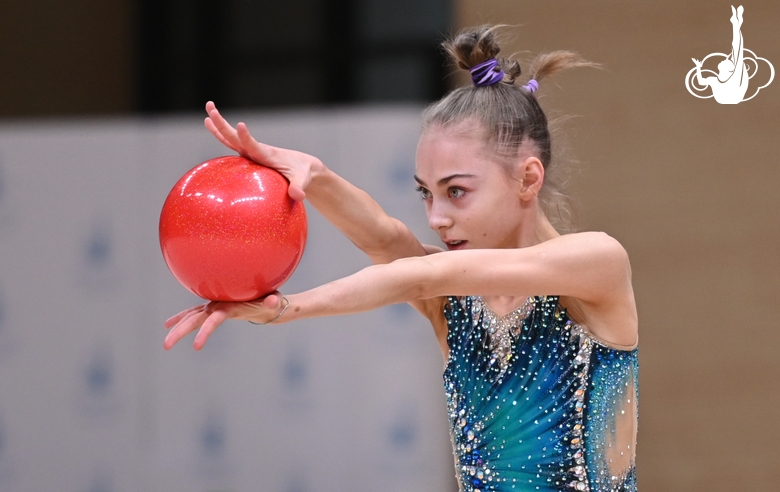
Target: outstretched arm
point(347, 207)
point(591, 267)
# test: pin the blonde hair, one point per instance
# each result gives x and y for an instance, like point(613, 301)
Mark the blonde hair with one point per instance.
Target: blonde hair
point(509, 115)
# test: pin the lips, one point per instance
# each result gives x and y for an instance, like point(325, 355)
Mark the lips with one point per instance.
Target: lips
point(453, 245)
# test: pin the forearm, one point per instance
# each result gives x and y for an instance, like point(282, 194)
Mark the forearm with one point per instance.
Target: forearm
point(359, 217)
point(401, 281)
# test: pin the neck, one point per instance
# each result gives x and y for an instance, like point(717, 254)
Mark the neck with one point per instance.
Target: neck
point(539, 230)
point(544, 229)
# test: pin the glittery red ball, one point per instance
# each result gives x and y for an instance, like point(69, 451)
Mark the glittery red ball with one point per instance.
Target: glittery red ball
point(230, 232)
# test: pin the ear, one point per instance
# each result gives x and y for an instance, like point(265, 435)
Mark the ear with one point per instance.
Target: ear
point(531, 175)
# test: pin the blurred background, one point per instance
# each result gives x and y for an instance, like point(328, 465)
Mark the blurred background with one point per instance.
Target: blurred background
point(101, 112)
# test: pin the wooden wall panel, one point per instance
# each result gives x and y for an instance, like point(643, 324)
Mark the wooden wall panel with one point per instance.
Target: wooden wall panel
point(689, 187)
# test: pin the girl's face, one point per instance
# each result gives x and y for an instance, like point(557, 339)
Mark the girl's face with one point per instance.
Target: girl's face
point(470, 200)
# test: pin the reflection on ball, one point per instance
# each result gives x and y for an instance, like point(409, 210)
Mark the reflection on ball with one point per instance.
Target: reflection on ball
point(230, 232)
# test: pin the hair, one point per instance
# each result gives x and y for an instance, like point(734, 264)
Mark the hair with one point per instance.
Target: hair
point(509, 115)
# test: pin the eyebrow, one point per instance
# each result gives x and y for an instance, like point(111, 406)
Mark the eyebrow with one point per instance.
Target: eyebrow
point(445, 180)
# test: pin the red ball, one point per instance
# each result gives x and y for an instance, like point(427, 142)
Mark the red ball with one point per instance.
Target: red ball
point(230, 232)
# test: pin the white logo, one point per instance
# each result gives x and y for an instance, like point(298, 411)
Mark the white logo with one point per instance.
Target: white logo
point(730, 84)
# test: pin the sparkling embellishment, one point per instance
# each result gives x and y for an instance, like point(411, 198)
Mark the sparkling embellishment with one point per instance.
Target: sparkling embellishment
point(501, 330)
point(533, 401)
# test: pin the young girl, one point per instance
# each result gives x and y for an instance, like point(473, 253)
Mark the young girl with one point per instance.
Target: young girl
point(538, 329)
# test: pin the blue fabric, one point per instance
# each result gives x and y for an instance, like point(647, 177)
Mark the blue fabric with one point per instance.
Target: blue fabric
point(536, 403)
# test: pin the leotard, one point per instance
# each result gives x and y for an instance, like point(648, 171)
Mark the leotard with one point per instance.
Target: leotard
point(537, 403)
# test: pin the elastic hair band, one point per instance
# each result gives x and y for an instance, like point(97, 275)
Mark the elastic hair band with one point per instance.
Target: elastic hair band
point(484, 73)
point(531, 86)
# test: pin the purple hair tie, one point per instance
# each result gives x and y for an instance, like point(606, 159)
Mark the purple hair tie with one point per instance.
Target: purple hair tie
point(485, 73)
point(531, 86)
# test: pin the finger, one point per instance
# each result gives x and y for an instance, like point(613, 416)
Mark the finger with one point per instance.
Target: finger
point(272, 300)
point(175, 319)
point(258, 152)
point(265, 154)
point(223, 127)
point(212, 322)
point(215, 131)
point(296, 192)
point(298, 182)
point(190, 323)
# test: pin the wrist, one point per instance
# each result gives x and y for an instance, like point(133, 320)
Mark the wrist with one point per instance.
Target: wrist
point(284, 303)
point(318, 170)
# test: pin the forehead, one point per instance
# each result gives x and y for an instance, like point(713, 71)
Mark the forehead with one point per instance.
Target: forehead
point(444, 151)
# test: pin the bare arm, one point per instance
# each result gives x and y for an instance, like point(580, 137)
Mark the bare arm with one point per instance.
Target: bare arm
point(347, 207)
point(591, 267)
point(360, 218)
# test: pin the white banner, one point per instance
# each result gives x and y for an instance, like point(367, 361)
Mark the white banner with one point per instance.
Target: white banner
point(91, 401)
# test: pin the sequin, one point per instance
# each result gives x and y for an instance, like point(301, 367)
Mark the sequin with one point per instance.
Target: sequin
point(536, 403)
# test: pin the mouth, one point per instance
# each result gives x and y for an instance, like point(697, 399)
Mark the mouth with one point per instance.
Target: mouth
point(453, 245)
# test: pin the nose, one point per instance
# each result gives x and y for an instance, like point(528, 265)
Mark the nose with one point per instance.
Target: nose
point(438, 218)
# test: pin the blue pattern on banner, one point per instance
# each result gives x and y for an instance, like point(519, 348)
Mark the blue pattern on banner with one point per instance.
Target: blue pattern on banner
point(98, 271)
point(213, 436)
point(294, 370)
point(98, 375)
point(98, 397)
point(211, 459)
point(402, 176)
point(403, 430)
point(294, 374)
point(99, 247)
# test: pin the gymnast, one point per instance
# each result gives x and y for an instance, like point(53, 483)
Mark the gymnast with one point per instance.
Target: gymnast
point(538, 329)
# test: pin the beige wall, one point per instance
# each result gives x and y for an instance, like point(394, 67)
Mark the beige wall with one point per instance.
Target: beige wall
point(690, 187)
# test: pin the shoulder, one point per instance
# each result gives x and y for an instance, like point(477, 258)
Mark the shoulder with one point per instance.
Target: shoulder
point(602, 244)
point(588, 249)
point(607, 252)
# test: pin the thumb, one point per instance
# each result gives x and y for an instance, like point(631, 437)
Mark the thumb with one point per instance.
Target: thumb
point(272, 300)
point(295, 190)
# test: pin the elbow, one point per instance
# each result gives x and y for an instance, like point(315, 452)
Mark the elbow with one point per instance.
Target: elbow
point(431, 276)
point(389, 231)
point(616, 258)
point(425, 282)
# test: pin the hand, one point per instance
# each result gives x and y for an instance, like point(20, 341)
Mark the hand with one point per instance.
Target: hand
point(697, 62)
point(209, 316)
point(297, 167)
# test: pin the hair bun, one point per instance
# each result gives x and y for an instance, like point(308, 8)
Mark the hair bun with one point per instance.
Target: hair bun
point(474, 47)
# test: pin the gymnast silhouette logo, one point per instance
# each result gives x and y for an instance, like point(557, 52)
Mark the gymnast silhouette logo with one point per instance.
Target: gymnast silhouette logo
point(735, 70)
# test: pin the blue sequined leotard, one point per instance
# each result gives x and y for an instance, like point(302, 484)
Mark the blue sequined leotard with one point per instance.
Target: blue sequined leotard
point(537, 403)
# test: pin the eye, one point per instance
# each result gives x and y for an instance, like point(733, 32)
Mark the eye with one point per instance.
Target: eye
point(424, 194)
point(456, 192)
